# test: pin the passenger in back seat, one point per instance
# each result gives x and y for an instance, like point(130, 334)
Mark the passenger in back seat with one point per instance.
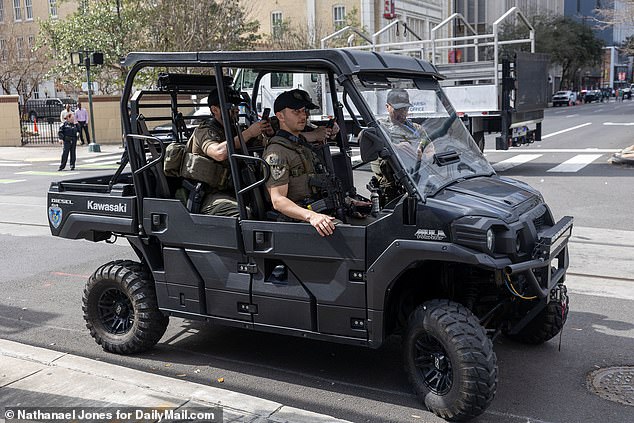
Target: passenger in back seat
point(209, 140)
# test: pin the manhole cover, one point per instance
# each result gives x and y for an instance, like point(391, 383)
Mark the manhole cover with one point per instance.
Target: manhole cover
point(614, 384)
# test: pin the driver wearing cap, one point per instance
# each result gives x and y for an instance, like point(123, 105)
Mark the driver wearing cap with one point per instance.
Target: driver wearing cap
point(293, 162)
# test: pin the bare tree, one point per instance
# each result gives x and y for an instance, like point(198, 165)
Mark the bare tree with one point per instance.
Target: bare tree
point(614, 12)
point(21, 67)
point(201, 25)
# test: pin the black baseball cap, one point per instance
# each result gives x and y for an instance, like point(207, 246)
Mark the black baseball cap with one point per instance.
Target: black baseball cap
point(233, 97)
point(398, 98)
point(294, 99)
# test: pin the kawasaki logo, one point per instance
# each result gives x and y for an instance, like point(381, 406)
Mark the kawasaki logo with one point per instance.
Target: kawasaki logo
point(118, 208)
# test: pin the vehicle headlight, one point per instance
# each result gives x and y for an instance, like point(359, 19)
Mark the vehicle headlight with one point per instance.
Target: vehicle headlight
point(490, 239)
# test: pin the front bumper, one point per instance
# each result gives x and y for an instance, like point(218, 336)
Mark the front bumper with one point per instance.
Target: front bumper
point(549, 260)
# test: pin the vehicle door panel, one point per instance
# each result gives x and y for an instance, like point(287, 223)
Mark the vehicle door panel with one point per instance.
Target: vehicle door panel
point(305, 274)
point(201, 254)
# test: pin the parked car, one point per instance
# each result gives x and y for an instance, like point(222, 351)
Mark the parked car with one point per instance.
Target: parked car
point(592, 95)
point(564, 98)
point(47, 108)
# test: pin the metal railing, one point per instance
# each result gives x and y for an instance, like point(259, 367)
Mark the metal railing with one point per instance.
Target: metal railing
point(39, 130)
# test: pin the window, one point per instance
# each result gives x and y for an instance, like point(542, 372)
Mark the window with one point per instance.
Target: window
point(19, 46)
point(52, 8)
point(276, 24)
point(3, 50)
point(1, 11)
point(281, 80)
point(36, 92)
point(28, 6)
point(17, 11)
point(31, 43)
point(339, 16)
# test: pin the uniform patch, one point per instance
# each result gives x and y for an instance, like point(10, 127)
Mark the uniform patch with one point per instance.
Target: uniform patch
point(55, 216)
point(277, 168)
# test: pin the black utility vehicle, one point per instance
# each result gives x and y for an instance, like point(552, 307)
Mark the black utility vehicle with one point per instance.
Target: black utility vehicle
point(460, 256)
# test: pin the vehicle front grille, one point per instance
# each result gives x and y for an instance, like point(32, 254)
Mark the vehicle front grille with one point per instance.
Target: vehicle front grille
point(540, 222)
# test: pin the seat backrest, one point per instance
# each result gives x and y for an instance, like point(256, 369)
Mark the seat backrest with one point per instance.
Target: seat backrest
point(159, 183)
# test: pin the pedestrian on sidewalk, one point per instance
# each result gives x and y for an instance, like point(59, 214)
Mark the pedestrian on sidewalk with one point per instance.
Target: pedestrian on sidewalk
point(66, 111)
point(82, 122)
point(68, 137)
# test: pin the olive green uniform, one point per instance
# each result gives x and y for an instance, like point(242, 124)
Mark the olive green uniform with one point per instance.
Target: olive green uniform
point(292, 163)
point(219, 200)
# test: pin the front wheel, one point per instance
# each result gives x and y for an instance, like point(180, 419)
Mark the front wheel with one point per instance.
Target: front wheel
point(546, 325)
point(121, 310)
point(450, 360)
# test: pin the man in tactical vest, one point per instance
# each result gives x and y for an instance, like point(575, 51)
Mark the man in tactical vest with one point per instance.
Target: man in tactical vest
point(409, 139)
point(294, 164)
point(209, 140)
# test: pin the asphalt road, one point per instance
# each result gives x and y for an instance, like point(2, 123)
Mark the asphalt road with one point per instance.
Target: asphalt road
point(43, 277)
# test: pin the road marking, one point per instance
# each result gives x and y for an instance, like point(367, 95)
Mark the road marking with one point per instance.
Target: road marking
point(575, 164)
point(11, 181)
point(566, 130)
point(111, 157)
point(554, 150)
point(514, 161)
point(14, 164)
point(576, 114)
point(618, 123)
point(38, 173)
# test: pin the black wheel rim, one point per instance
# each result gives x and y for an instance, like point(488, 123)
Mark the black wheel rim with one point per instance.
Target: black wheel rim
point(115, 311)
point(433, 364)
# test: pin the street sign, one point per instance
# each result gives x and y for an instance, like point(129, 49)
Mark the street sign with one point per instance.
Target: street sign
point(95, 86)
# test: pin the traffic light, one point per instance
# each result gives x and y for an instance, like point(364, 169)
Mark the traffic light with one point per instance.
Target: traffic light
point(96, 58)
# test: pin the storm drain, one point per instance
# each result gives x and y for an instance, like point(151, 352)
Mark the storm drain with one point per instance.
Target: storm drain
point(614, 384)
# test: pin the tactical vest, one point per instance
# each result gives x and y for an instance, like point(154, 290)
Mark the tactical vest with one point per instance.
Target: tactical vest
point(180, 161)
point(308, 163)
point(322, 198)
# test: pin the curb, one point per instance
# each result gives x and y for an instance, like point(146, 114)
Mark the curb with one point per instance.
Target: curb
point(70, 368)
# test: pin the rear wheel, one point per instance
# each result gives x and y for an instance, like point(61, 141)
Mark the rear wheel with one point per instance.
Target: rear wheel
point(121, 310)
point(450, 360)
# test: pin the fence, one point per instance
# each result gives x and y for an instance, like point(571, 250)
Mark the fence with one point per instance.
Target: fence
point(41, 127)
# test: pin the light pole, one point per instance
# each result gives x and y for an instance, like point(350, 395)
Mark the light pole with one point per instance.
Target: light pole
point(86, 59)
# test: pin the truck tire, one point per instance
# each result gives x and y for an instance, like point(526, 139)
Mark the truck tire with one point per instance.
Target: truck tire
point(450, 360)
point(545, 326)
point(121, 310)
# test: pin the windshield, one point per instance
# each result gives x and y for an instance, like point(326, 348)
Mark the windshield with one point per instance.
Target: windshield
point(429, 140)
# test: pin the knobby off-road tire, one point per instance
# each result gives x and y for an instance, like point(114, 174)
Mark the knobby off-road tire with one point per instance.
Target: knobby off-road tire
point(121, 310)
point(545, 326)
point(450, 360)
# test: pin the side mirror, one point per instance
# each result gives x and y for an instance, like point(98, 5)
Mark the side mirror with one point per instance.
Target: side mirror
point(372, 145)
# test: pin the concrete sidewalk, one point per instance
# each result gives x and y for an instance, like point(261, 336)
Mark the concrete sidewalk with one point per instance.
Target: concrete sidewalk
point(42, 378)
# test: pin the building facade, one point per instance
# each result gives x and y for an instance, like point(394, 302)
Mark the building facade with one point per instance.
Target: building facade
point(19, 29)
point(320, 18)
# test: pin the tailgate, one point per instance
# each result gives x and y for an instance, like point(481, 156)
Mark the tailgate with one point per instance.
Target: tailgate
point(91, 211)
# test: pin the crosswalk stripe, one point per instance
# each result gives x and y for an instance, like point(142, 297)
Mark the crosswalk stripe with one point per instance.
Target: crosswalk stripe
point(11, 181)
point(39, 173)
point(514, 161)
point(15, 164)
point(576, 163)
point(109, 157)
